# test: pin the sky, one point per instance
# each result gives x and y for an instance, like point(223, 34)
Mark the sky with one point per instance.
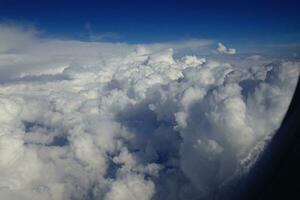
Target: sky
point(149, 101)
point(248, 25)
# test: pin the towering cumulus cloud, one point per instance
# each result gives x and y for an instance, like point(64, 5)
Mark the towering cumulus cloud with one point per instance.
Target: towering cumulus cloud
point(224, 50)
point(83, 120)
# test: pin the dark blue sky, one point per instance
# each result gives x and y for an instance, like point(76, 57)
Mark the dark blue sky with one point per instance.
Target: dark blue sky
point(238, 22)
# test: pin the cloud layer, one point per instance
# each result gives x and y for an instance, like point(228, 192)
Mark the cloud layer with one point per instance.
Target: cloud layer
point(116, 121)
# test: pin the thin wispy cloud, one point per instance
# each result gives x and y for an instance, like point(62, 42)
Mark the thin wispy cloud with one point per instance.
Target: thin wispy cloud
point(107, 36)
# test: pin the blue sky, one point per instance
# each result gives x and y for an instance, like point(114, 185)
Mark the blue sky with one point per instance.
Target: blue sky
point(249, 25)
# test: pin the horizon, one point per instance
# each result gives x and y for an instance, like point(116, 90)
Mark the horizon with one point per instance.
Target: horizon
point(256, 26)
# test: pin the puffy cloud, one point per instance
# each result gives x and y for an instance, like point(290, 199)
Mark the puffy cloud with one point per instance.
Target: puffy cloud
point(131, 187)
point(222, 49)
point(118, 121)
point(24, 53)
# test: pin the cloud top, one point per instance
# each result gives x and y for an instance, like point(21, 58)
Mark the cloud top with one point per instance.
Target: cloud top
point(82, 120)
point(222, 49)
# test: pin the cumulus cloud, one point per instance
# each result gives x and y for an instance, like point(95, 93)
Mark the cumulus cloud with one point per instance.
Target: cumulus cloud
point(222, 49)
point(24, 53)
point(118, 121)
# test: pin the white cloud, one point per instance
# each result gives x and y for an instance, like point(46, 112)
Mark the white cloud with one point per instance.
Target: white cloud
point(222, 49)
point(131, 187)
point(23, 52)
point(117, 121)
